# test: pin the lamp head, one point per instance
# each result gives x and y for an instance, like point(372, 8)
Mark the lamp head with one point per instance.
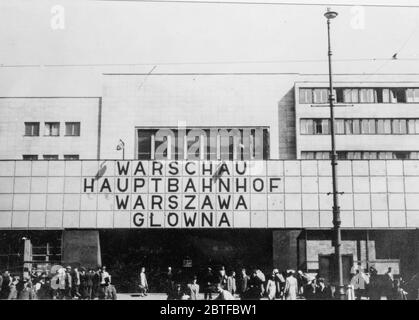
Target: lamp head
point(330, 14)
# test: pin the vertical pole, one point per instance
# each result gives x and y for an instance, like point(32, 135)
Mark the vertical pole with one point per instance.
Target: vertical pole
point(336, 208)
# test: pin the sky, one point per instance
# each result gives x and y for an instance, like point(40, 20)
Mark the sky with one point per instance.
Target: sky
point(41, 55)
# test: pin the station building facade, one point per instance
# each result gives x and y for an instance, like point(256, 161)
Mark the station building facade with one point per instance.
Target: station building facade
point(94, 145)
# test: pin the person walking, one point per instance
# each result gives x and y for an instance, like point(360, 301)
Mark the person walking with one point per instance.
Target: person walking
point(169, 280)
point(222, 277)
point(5, 285)
point(291, 286)
point(280, 283)
point(96, 283)
point(231, 283)
point(68, 283)
point(83, 284)
point(388, 284)
point(374, 288)
point(359, 281)
point(13, 292)
point(208, 281)
point(323, 291)
point(243, 284)
point(89, 284)
point(75, 286)
point(193, 289)
point(271, 288)
point(143, 285)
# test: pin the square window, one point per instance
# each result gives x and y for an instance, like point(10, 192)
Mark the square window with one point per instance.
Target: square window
point(31, 129)
point(72, 128)
point(71, 157)
point(52, 129)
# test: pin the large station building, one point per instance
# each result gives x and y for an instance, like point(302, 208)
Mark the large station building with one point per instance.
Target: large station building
point(82, 174)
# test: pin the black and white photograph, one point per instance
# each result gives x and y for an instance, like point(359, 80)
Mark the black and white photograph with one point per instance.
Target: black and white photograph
point(209, 150)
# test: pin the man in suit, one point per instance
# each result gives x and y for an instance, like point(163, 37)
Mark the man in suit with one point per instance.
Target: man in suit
point(89, 284)
point(243, 283)
point(68, 283)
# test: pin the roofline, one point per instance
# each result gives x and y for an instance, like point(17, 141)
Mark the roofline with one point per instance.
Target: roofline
point(256, 73)
point(51, 97)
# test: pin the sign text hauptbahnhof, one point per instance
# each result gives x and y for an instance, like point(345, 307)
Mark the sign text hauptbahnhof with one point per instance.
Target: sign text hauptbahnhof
point(206, 194)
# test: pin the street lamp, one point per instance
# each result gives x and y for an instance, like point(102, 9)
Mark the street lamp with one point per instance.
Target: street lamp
point(336, 209)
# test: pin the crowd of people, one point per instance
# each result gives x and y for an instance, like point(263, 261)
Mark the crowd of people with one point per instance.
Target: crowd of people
point(63, 284)
point(223, 285)
point(370, 285)
point(88, 284)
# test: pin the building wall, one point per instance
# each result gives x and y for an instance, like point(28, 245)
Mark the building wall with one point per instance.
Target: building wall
point(365, 142)
point(14, 112)
point(205, 100)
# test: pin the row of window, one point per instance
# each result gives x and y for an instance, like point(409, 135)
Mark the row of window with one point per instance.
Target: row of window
point(52, 129)
point(50, 157)
point(218, 145)
point(359, 155)
point(360, 95)
point(360, 126)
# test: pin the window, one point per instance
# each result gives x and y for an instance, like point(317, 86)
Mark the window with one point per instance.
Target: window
point(72, 128)
point(399, 126)
point(71, 157)
point(339, 126)
point(52, 129)
point(412, 95)
point(368, 96)
point(207, 146)
point(383, 126)
point(401, 155)
point(356, 129)
point(397, 95)
point(50, 156)
point(31, 129)
point(411, 126)
point(306, 126)
point(30, 157)
point(320, 95)
point(350, 95)
point(306, 96)
point(321, 126)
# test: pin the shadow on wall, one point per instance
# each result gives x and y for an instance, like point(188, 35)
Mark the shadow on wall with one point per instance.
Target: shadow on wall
point(286, 126)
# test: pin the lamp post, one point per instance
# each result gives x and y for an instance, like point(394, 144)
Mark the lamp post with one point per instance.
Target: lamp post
point(336, 209)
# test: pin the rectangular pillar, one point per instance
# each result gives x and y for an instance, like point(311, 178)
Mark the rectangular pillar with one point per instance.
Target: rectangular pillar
point(285, 249)
point(81, 248)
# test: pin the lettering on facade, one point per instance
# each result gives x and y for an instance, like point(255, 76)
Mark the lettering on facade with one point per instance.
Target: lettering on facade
point(170, 194)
